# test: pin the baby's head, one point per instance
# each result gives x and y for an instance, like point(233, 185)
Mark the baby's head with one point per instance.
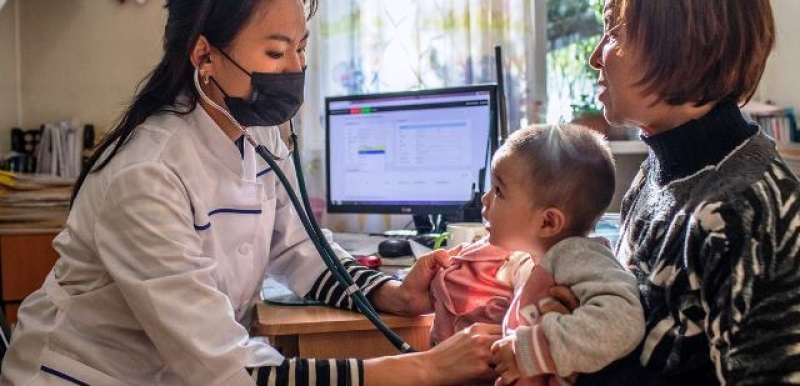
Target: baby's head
point(549, 182)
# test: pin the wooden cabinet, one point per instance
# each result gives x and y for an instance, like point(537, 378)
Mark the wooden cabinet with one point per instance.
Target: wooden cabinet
point(25, 260)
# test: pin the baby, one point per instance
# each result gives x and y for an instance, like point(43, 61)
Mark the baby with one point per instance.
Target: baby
point(550, 185)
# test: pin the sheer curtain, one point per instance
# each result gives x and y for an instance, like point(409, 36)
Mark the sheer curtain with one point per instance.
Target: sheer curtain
point(371, 46)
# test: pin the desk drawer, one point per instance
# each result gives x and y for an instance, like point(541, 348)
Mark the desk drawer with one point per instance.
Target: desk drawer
point(25, 261)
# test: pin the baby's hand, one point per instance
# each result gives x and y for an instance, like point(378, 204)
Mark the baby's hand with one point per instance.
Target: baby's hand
point(505, 360)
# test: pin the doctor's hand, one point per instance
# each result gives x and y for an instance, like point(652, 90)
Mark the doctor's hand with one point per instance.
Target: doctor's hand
point(465, 356)
point(413, 296)
point(505, 360)
point(417, 284)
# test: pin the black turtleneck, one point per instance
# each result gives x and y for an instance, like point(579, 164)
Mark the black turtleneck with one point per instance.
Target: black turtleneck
point(699, 143)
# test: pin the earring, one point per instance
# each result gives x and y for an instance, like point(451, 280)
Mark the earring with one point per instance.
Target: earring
point(205, 77)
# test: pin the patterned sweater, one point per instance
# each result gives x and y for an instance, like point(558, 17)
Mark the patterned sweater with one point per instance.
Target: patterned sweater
point(710, 228)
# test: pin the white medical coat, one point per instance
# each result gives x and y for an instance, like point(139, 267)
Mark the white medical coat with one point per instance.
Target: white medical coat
point(162, 259)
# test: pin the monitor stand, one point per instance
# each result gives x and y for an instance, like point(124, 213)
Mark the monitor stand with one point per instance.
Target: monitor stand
point(422, 224)
point(431, 223)
point(437, 223)
point(430, 227)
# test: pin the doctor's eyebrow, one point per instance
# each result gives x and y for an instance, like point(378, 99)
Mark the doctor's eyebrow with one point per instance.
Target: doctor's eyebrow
point(284, 38)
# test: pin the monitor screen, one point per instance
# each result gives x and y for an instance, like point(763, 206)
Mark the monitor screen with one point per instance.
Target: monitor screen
point(414, 152)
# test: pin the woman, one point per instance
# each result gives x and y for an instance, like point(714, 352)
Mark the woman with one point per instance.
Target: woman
point(171, 233)
point(710, 225)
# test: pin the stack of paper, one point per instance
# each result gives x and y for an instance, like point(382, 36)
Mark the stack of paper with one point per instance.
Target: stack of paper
point(60, 150)
point(34, 201)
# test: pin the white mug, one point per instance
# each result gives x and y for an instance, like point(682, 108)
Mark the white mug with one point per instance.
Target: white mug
point(464, 232)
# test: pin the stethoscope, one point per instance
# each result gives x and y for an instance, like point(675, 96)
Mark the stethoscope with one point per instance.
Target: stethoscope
point(310, 222)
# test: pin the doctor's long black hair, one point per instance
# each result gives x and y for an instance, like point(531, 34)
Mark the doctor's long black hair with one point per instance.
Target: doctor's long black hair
point(220, 21)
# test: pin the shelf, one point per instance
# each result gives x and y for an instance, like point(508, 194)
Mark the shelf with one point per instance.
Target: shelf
point(791, 146)
point(791, 154)
point(628, 147)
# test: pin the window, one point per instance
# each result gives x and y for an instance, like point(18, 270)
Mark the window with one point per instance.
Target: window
point(574, 27)
point(369, 46)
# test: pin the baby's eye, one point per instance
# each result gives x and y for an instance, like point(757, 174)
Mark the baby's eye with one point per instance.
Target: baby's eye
point(275, 54)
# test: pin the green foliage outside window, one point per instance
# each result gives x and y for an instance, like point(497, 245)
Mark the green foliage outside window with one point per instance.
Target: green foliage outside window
point(574, 29)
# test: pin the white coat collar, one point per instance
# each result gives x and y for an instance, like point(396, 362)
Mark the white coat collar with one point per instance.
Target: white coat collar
point(215, 140)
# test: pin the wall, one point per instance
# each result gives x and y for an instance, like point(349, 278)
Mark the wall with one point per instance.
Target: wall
point(9, 90)
point(83, 58)
point(781, 81)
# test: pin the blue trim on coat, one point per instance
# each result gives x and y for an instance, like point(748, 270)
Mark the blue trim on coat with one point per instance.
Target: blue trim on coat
point(226, 210)
point(265, 171)
point(62, 375)
point(202, 227)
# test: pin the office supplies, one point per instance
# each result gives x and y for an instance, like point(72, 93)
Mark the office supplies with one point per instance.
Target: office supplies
point(465, 232)
point(369, 261)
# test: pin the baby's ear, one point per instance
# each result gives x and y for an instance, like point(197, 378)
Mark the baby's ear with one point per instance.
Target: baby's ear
point(553, 222)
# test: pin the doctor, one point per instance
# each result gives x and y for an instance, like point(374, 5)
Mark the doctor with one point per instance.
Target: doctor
point(171, 234)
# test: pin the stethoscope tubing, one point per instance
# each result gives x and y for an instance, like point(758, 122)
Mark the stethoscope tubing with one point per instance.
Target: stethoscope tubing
point(321, 243)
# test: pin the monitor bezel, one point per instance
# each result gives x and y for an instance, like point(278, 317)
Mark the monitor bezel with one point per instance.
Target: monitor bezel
point(412, 209)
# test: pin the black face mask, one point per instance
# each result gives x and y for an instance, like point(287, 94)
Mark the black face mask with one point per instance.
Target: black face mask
point(276, 98)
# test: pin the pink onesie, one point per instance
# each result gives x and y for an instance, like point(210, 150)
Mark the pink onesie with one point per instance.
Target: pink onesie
point(469, 291)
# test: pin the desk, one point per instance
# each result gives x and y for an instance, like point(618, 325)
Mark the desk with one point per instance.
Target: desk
point(26, 257)
point(324, 332)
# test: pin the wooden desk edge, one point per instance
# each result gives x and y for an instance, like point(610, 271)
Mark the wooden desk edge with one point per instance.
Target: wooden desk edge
point(29, 231)
point(275, 320)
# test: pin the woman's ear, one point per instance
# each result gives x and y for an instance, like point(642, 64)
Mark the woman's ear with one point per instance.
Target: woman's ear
point(553, 222)
point(201, 57)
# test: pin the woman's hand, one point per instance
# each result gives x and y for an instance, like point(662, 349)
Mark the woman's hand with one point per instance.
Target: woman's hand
point(564, 301)
point(464, 356)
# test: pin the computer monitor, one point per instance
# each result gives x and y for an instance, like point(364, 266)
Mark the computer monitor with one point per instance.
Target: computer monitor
point(416, 152)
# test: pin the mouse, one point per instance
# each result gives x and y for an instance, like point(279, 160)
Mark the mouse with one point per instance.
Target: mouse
point(394, 248)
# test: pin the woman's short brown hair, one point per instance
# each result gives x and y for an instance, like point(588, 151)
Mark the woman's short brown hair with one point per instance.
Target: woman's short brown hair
point(699, 51)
